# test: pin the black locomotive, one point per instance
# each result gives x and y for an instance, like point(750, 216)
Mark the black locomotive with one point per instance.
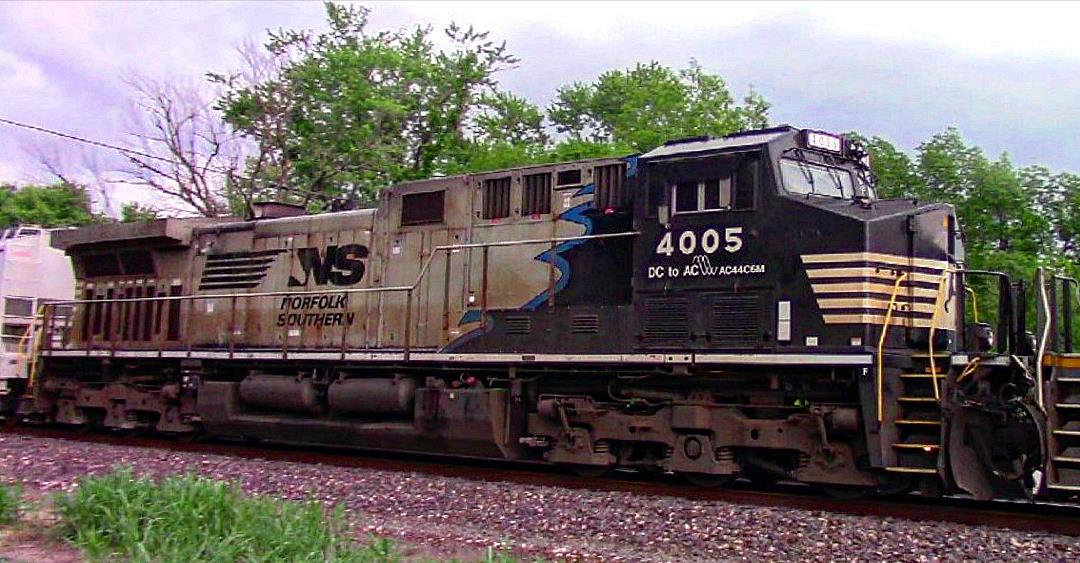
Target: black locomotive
point(738, 306)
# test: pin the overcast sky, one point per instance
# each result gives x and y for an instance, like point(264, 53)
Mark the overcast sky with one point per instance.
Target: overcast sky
point(1007, 75)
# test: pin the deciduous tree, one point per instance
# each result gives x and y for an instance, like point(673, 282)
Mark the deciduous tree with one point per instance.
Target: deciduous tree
point(58, 205)
point(648, 104)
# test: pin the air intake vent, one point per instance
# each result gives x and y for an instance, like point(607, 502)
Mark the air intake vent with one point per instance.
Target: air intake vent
point(734, 321)
point(667, 322)
point(585, 324)
point(518, 325)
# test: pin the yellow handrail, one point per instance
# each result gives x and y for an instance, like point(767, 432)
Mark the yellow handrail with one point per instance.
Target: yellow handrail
point(939, 303)
point(881, 349)
point(974, 302)
point(35, 347)
point(21, 347)
point(968, 370)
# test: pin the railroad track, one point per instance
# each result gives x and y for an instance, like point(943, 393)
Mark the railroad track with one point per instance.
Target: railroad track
point(1057, 518)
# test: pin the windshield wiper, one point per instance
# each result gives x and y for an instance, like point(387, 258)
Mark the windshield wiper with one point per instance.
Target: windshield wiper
point(837, 181)
point(807, 173)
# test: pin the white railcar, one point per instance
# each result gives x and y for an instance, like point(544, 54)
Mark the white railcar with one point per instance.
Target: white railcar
point(31, 273)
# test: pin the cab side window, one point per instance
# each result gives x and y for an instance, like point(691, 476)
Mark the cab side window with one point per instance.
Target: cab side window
point(731, 191)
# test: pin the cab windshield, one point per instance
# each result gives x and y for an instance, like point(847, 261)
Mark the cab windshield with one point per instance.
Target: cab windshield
point(801, 177)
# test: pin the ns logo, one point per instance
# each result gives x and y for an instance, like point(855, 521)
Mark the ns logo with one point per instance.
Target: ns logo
point(337, 265)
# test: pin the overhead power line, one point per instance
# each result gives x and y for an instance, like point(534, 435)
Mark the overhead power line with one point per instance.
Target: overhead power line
point(84, 140)
point(132, 152)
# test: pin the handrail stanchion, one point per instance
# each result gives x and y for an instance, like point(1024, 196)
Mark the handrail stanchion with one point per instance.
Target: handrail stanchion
point(285, 337)
point(1055, 342)
point(1067, 314)
point(1045, 317)
point(408, 322)
point(881, 348)
point(187, 325)
point(939, 303)
point(345, 328)
point(46, 326)
point(446, 298)
point(551, 275)
point(232, 326)
point(484, 286)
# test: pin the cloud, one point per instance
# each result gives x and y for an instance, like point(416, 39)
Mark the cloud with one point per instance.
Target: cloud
point(20, 75)
point(1008, 75)
point(990, 28)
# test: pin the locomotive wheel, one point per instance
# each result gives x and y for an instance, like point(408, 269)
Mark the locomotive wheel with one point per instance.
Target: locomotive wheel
point(591, 471)
point(896, 485)
point(847, 492)
point(709, 480)
point(760, 477)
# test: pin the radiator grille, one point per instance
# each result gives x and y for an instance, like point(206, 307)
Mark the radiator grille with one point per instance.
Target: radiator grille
point(734, 321)
point(585, 324)
point(667, 321)
point(518, 325)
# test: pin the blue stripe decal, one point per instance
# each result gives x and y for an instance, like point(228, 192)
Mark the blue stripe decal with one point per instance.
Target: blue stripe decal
point(585, 190)
point(577, 215)
point(470, 316)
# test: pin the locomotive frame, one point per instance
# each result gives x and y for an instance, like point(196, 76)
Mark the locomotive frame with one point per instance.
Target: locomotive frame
point(716, 308)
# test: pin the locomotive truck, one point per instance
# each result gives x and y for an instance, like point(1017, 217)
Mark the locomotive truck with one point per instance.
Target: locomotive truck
point(716, 308)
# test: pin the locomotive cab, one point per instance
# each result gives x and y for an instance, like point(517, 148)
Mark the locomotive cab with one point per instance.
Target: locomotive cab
point(774, 241)
point(773, 244)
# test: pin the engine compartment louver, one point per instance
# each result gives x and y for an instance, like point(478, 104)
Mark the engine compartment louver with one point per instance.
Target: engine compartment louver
point(518, 325)
point(237, 270)
point(666, 322)
point(585, 324)
point(735, 321)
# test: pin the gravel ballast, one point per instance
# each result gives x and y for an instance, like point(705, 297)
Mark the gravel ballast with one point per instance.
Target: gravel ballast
point(451, 516)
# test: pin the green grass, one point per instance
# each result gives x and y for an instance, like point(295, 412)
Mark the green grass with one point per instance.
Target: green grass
point(10, 503)
point(189, 518)
point(493, 555)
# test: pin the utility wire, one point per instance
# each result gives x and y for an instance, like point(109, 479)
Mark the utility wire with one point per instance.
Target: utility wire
point(84, 140)
point(128, 152)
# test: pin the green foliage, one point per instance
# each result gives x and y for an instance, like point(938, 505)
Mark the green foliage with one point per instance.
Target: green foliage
point(893, 169)
point(648, 104)
point(195, 519)
point(133, 212)
point(10, 503)
point(350, 111)
point(363, 110)
point(58, 205)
